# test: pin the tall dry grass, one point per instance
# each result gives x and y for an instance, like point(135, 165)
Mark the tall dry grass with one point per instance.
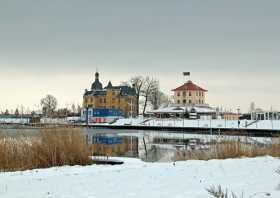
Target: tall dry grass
point(51, 147)
point(231, 149)
point(218, 192)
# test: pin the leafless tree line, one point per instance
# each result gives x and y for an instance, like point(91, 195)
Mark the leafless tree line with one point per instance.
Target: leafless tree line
point(48, 107)
point(147, 92)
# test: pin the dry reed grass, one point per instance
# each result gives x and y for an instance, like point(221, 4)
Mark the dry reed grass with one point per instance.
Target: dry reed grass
point(221, 193)
point(51, 147)
point(218, 192)
point(231, 149)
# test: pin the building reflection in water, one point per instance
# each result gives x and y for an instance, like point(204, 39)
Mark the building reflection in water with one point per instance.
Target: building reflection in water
point(113, 145)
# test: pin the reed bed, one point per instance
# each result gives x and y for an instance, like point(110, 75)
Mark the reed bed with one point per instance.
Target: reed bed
point(231, 149)
point(49, 148)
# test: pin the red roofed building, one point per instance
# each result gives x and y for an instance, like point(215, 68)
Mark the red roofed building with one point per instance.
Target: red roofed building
point(189, 93)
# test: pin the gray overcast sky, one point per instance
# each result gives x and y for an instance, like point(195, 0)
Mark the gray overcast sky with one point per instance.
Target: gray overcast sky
point(230, 47)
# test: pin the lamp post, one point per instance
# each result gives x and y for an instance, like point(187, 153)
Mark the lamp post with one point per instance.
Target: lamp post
point(271, 119)
point(87, 116)
point(238, 112)
point(183, 117)
point(131, 106)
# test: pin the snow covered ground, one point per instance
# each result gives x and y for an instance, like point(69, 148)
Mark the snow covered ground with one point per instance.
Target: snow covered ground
point(14, 120)
point(137, 179)
point(250, 124)
point(169, 122)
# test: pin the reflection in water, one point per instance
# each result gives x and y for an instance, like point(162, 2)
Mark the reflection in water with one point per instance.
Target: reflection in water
point(113, 145)
point(147, 145)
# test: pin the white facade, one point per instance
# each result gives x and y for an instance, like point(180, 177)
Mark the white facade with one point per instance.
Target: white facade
point(189, 97)
point(265, 115)
point(189, 94)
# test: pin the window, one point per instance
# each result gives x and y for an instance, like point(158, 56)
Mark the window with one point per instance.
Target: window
point(178, 101)
point(190, 101)
point(178, 93)
point(101, 100)
point(104, 100)
point(184, 93)
point(190, 93)
point(184, 101)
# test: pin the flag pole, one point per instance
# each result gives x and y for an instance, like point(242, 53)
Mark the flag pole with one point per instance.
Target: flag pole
point(187, 75)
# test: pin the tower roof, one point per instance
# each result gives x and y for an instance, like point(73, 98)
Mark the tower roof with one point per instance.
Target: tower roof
point(189, 86)
point(97, 85)
point(109, 86)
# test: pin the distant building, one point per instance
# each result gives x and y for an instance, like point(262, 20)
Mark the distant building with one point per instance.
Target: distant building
point(20, 119)
point(259, 114)
point(230, 116)
point(109, 101)
point(190, 112)
point(189, 94)
point(189, 102)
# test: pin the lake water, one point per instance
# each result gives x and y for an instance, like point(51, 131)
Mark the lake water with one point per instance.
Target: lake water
point(149, 145)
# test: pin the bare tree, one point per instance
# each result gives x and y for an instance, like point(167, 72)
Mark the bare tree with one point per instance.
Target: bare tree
point(150, 86)
point(7, 112)
point(157, 97)
point(154, 96)
point(16, 112)
point(73, 108)
point(137, 82)
point(49, 104)
point(147, 89)
point(79, 109)
point(63, 112)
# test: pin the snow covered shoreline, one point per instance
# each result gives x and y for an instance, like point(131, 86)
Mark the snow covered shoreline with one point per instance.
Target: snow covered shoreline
point(178, 122)
point(145, 180)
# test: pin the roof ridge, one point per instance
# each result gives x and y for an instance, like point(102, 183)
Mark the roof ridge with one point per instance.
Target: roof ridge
point(189, 85)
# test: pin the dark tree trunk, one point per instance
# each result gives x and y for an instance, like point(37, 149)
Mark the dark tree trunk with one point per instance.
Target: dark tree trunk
point(145, 105)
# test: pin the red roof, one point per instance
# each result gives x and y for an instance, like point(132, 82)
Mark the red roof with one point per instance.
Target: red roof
point(189, 86)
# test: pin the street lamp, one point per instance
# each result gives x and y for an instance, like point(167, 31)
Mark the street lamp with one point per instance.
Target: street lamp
point(87, 116)
point(238, 112)
point(131, 110)
point(183, 117)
